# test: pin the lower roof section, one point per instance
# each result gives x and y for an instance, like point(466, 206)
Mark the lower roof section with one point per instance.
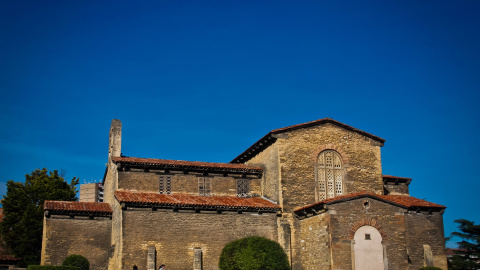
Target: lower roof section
point(402, 201)
point(187, 201)
point(77, 208)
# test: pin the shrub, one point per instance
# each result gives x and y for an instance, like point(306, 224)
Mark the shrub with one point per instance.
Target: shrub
point(51, 267)
point(253, 253)
point(430, 268)
point(78, 261)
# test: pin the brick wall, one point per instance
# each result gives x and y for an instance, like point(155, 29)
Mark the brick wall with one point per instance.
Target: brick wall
point(64, 236)
point(175, 235)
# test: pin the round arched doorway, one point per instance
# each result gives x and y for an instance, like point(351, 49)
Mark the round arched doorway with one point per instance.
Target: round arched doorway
point(368, 249)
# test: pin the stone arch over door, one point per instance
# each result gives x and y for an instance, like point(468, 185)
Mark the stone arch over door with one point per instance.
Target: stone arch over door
point(368, 250)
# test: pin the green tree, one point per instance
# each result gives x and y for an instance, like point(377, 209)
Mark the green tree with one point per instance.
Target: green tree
point(77, 261)
point(253, 253)
point(22, 225)
point(467, 256)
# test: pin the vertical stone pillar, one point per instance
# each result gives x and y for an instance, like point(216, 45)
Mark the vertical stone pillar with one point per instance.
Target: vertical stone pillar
point(197, 259)
point(151, 258)
point(115, 139)
point(427, 256)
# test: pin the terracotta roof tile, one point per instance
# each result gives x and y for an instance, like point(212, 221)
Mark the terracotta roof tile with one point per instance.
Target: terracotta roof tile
point(268, 139)
point(192, 201)
point(78, 208)
point(227, 167)
point(400, 200)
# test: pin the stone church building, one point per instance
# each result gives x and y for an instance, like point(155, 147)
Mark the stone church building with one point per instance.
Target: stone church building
point(316, 188)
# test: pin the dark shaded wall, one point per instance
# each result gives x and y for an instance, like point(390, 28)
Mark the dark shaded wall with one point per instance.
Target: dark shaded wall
point(64, 236)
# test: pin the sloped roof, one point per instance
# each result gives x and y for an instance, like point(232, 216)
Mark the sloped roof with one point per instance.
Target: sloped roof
point(78, 208)
point(191, 201)
point(269, 139)
point(188, 165)
point(403, 201)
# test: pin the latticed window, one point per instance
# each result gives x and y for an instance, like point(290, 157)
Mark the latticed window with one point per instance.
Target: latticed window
point(242, 188)
point(204, 186)
point(165, 184)
point(329, 175)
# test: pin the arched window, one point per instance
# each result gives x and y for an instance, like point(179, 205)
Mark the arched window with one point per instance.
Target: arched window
point(329, 174)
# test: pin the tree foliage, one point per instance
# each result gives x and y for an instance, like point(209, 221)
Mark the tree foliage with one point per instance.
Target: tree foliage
point(22, 225)
point(78, 261)
point(253, 253)
point(467, 256)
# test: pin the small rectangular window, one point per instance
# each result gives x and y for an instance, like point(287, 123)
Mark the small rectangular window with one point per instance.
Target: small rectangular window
point(165, 184)
point(242, 188)
point(204, 186)
point(367, 236)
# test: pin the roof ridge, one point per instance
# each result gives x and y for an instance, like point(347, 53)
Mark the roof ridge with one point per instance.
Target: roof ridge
point(405, 201)
point(268, 139)
point(184, 163)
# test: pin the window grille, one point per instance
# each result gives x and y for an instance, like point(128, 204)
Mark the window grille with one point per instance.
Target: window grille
point(329, 175)
point(165, 184)
point(242, 188)
point(204, 186)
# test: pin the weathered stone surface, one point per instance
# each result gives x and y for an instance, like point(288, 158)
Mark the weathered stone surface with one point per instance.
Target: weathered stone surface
point(323, 239)
point(64, 236)
point(176, 235)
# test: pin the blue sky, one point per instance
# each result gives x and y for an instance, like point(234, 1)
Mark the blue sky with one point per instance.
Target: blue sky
point(203, 80)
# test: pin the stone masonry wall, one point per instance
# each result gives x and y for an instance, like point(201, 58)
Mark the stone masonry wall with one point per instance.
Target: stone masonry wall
point(268, 159)
point(64, 236)
point(312, 243)
point(425, 229)
point(175, 235)
point(298, 156)
point(347, 217)
point(393, 189)
point(140, 180)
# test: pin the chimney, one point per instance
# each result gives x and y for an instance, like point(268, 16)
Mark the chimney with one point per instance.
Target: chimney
point(115, 140)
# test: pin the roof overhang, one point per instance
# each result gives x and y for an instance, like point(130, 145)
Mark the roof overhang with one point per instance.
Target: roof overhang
point(146, 164)
point(402, 201)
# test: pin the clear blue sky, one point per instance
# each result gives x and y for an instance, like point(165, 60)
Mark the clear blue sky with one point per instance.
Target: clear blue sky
point(203, 80)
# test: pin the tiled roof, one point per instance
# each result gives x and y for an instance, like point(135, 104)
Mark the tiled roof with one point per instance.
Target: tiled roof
point(192, 165)
point(403, 201)
point(268, 139)
point(191, 201)
point(78, 208)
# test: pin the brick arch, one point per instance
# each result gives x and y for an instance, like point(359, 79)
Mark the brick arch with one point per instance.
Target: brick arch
point(330, 146)
point(366, 222)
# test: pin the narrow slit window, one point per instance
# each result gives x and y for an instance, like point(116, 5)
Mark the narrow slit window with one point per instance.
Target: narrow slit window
point(165, 184)
point(204, 186)
point(242, 188)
